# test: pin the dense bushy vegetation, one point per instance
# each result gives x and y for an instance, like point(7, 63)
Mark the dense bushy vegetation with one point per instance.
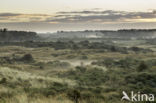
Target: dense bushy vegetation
point(17, 36)
point(75, 72)
point(151, 41)
point(80, 45)
point(14, 59)
point(125, 63)
point(130, 33)
point(126, 74)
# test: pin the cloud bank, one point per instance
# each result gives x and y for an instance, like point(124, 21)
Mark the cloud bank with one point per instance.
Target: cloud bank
point(95, 18)
point(86, 16)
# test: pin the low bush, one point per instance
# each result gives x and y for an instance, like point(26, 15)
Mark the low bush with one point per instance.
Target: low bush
point(27, 58)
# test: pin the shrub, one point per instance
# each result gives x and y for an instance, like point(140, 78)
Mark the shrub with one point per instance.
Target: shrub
point(27, 58)
point(142, 66)
point(84, 57)
point(3, 80)
point(81, 69)
point(74, 95)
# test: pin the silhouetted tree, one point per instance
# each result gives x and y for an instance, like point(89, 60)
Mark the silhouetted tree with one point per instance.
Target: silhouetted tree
point(5, 30)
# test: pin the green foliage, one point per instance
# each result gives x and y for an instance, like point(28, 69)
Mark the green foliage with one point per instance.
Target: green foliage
point(81, 69)
point(74, 95)
point(17, 36)
point(27, 58)
point(58, 63)
point(137, 49)
point(5, 60)
point(6, 95)
point(108, 62)
point(141, 81)
point(53, 89)
point(103, 80)
point(122, 63)
point(142, 66)
point(3, 81)
point(90, 77)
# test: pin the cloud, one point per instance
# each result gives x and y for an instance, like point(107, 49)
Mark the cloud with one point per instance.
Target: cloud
point(154, 11)
point(95, 15)
point(94, 11)
point(19, 17)
point(9, 14)
point(100, 16)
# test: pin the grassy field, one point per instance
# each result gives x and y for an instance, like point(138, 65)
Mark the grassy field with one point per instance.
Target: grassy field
point(85, 74)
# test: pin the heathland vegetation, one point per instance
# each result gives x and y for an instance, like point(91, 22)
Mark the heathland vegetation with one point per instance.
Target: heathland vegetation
point(65, 71)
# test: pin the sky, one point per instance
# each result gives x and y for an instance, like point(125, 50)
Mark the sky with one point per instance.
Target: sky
point(55, 15)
